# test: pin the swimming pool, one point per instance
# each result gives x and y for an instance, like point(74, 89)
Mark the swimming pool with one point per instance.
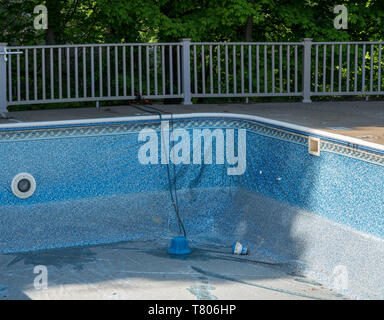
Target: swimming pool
point(106, 180)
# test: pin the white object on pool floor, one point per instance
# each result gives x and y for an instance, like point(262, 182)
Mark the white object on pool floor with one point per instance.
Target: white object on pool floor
point(238, 248)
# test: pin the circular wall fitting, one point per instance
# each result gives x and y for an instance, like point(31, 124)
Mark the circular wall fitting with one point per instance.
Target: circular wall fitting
point(23, 185)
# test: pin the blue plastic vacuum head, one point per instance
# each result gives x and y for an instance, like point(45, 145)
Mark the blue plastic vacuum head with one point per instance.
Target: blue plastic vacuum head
point(179, 245)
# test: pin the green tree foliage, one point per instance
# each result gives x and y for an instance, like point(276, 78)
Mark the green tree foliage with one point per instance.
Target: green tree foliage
point(87, 21)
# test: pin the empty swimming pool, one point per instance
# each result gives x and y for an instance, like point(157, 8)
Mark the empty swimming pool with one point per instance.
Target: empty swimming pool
point(292, 195)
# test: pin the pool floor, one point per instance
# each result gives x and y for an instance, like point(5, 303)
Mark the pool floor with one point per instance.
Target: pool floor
point(144, 270)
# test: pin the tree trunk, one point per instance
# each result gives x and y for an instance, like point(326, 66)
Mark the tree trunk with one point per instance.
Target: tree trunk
point(50, 36)
point(249, 26)
point(248, 29)
point(55, 19)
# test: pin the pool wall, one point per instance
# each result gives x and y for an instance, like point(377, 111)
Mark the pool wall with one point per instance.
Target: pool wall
point(315, 212)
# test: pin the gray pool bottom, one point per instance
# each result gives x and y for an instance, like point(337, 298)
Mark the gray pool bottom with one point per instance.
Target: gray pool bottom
point(144, 270)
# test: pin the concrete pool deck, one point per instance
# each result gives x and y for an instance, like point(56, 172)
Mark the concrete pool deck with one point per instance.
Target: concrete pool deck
point(144, 270)
point(358, 119)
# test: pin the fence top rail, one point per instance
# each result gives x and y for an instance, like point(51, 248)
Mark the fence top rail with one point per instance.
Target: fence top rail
point(95, 45)
point(246, 43)
point(150, 44)
point(347, 42)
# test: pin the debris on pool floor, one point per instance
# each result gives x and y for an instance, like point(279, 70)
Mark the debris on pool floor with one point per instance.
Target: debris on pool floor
point(144, 270)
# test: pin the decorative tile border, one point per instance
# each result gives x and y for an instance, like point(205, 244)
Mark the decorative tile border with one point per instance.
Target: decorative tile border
point(354, 151)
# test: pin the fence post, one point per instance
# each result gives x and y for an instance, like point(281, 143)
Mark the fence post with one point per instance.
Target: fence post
point(307, 70)
point(3, 80)
point(186, 70)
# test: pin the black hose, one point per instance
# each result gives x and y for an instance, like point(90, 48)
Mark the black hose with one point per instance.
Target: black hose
point(174, 198)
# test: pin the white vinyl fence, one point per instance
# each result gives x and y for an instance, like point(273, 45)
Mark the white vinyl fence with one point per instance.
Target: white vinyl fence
point(186, 70)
